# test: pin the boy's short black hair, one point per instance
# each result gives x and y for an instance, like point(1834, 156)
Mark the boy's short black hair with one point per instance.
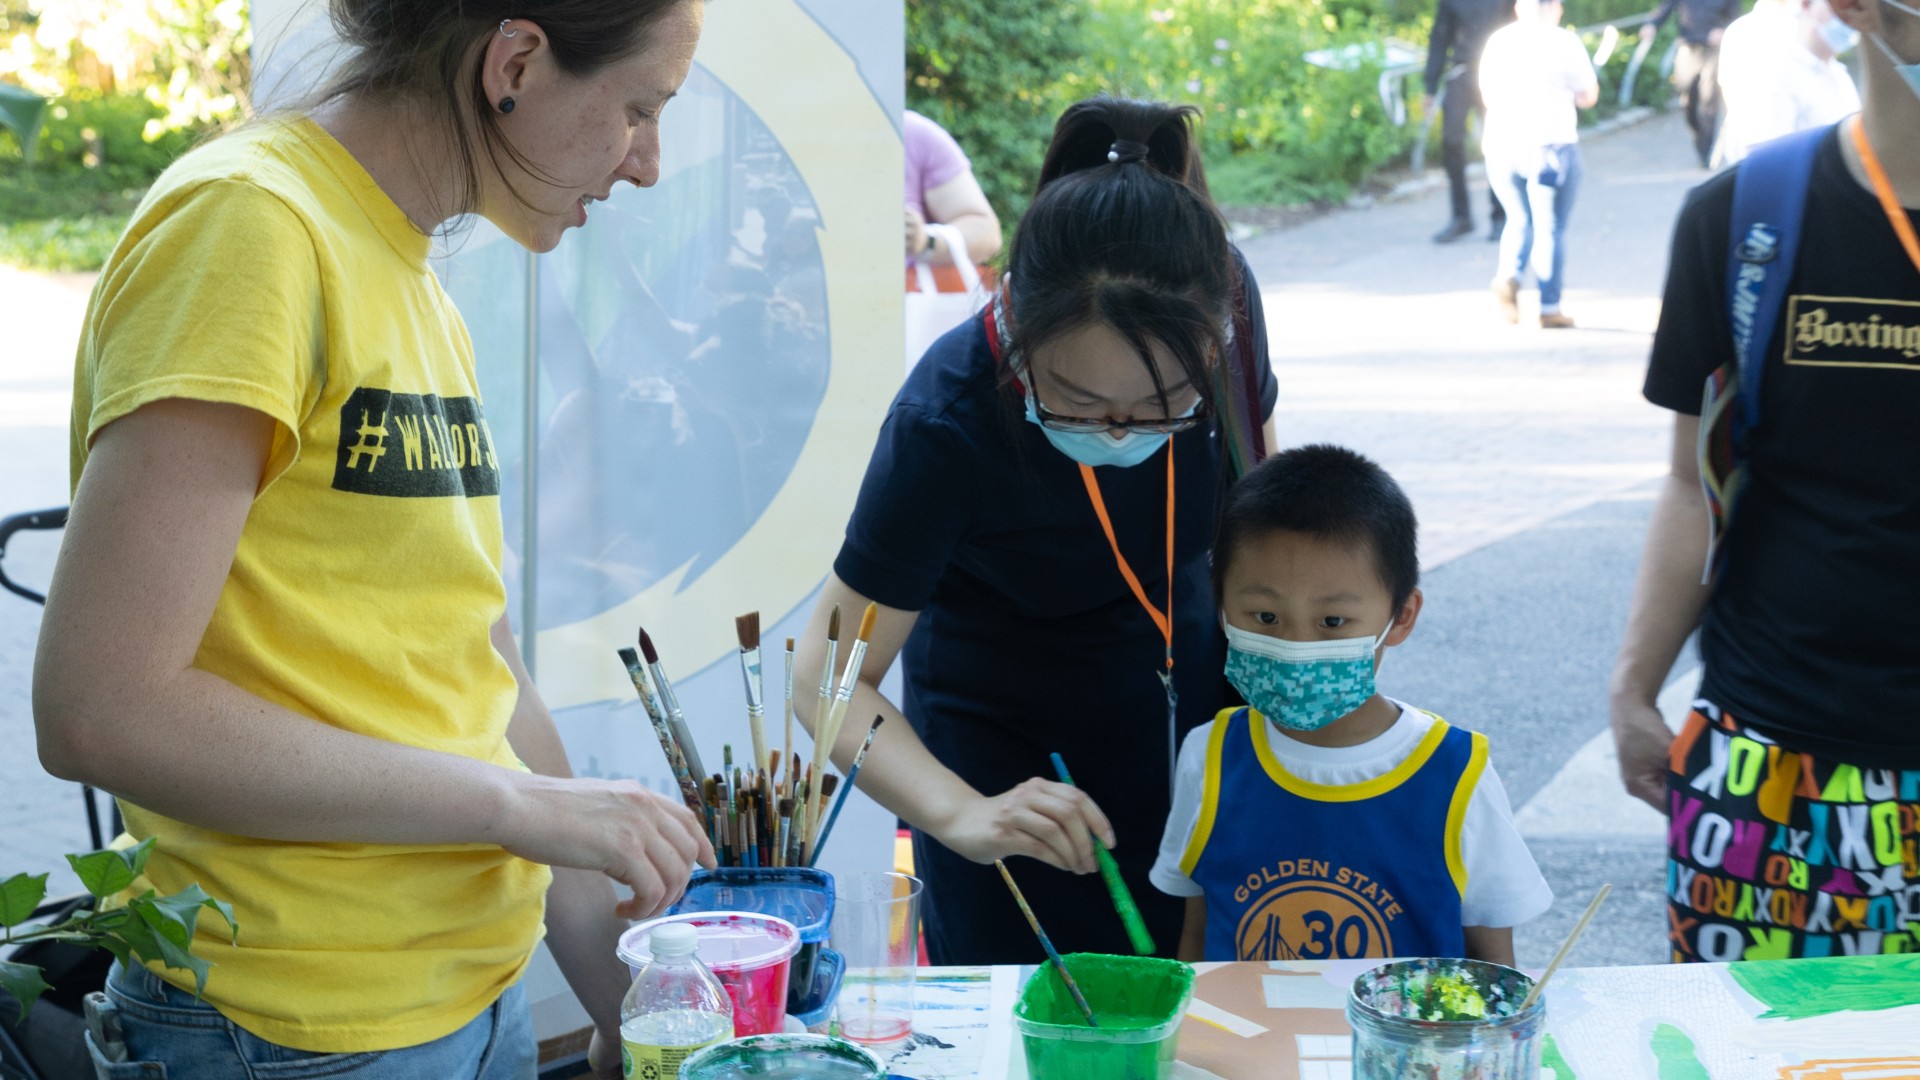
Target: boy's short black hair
point(1332, 494)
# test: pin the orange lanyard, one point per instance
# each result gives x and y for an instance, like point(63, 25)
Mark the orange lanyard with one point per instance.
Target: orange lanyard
point(1883, 187)
point(1161, 619)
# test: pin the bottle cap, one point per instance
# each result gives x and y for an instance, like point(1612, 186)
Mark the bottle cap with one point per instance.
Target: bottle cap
point(674, 940)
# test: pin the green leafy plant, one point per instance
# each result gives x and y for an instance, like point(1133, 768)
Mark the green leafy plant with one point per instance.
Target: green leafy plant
point(150, 927)
point(21, 113)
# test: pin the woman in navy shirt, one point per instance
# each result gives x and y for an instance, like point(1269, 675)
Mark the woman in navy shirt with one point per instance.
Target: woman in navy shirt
point(1106, 384)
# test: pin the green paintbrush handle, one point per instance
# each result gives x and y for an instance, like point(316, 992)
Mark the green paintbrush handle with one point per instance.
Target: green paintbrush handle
point(1123, 902)
point(1110, 872)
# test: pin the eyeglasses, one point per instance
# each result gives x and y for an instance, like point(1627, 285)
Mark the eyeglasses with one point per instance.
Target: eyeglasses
point(1082, 425)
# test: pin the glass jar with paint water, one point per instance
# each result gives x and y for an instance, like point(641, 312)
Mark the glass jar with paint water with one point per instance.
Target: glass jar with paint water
point(1445, 1019)
point(784, 1057)
point(674, 1008)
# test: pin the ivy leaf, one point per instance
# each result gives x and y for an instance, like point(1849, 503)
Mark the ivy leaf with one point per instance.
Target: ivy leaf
point(107, 872)
point(117, 947)
point(165, 934)
point(19, 895)
point(23, 981)
point(185, 905)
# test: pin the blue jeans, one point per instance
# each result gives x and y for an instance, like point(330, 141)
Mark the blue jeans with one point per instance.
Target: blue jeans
point(168, 1034)
point(1537, 189)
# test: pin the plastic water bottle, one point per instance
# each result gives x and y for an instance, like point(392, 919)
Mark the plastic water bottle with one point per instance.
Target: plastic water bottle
point(675, 1007)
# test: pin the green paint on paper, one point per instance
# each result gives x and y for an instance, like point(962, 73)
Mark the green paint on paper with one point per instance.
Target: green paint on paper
point(1799, 989)
point(1552, 1062)
point(1673, 1053)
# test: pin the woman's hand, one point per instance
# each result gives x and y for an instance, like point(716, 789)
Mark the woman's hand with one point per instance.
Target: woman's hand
point(916, 233)
point(1642, 739)
point(640, 839)
point(1055, 823)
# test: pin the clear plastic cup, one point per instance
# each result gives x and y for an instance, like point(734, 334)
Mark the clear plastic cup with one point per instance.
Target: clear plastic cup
point(876, 928)
point(1403, 1019)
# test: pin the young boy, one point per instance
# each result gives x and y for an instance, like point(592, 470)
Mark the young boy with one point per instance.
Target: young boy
point(1326, 821)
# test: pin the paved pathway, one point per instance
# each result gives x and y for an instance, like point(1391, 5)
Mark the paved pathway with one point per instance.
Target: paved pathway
point(1531, 459)
point(1529, 456)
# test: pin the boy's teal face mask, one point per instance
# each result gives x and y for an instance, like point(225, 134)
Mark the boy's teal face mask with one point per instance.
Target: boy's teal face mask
point(1301, 685)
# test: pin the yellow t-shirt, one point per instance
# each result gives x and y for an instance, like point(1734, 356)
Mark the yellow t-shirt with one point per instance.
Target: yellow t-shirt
point(268, 270)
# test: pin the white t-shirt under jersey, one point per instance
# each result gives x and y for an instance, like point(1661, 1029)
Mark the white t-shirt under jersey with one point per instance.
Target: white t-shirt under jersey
point(1504, 886)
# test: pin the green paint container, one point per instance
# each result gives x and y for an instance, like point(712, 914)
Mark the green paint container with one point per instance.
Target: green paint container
point(1138, 1002)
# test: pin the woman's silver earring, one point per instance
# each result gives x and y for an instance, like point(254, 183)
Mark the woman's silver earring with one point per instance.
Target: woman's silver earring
point(504, 32)
point(506, 104)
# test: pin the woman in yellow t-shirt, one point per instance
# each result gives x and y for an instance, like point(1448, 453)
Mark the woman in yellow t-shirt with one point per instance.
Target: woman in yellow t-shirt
point(277, 630)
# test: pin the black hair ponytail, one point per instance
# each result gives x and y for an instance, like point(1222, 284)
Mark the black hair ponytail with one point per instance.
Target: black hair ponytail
point(1122, 232)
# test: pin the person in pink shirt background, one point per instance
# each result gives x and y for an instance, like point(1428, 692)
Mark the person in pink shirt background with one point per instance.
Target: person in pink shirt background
point(941, 189)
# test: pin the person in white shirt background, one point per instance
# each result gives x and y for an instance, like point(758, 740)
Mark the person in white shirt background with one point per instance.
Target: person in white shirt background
point(1779, 75)
point(1535, 76)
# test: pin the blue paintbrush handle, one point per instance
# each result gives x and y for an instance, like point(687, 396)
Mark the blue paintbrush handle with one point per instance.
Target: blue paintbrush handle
point(833, 815)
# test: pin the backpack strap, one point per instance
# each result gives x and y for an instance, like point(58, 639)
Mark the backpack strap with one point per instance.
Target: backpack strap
point(1763, 243)
point(1763, 240)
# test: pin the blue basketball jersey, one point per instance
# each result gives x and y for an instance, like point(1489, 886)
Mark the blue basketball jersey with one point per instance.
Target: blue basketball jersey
point(1294, 870)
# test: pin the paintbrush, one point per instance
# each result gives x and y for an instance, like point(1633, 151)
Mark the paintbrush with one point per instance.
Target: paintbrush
point(676, 719)
point(786, 747)
point(1110, 872)
point(825, 705)
point(786, 831)
point(1579, 928)
point(1052, 954)
point(747, 628)
point(820, 713)
point(853, 772)
point(829, 732)
point(688, 790)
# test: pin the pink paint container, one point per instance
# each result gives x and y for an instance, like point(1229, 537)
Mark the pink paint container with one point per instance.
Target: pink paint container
point(750, 954)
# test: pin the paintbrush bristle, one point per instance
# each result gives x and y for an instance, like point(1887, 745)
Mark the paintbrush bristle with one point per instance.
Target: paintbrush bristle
point(747, 627)
point(866, 621)
point(789, 644)
point(827, 784)
point(646, 647)
point(629, 658)
point(833, 624)
point(786, 807)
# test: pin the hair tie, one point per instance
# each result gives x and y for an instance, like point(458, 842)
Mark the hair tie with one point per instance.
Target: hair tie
point(1126, 150)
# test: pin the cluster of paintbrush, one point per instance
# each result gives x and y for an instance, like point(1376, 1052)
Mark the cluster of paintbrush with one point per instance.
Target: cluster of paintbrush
point(755, 816)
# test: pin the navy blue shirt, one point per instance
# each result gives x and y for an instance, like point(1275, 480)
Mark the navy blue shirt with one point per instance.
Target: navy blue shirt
point(1029, 641)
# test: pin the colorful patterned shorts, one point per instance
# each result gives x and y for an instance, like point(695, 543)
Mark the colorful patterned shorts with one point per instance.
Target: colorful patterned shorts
point(1773, 854)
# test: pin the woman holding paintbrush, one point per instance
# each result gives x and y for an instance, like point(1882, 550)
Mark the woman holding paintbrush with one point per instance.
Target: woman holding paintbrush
point(1034, 526)
point(277, 627)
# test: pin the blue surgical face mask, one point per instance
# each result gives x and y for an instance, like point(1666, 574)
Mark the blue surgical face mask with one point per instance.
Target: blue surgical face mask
point(1839, 36)
point(1909, 72)
point(1301, 685)
point(1100, 447)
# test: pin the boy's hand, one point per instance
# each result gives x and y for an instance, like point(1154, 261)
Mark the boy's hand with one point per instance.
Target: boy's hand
point(1641, 737)
point(1055, 823)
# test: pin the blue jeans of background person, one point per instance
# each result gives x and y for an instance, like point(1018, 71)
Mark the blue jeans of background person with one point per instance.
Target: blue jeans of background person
point(171, 1036)
point(1537, 188)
